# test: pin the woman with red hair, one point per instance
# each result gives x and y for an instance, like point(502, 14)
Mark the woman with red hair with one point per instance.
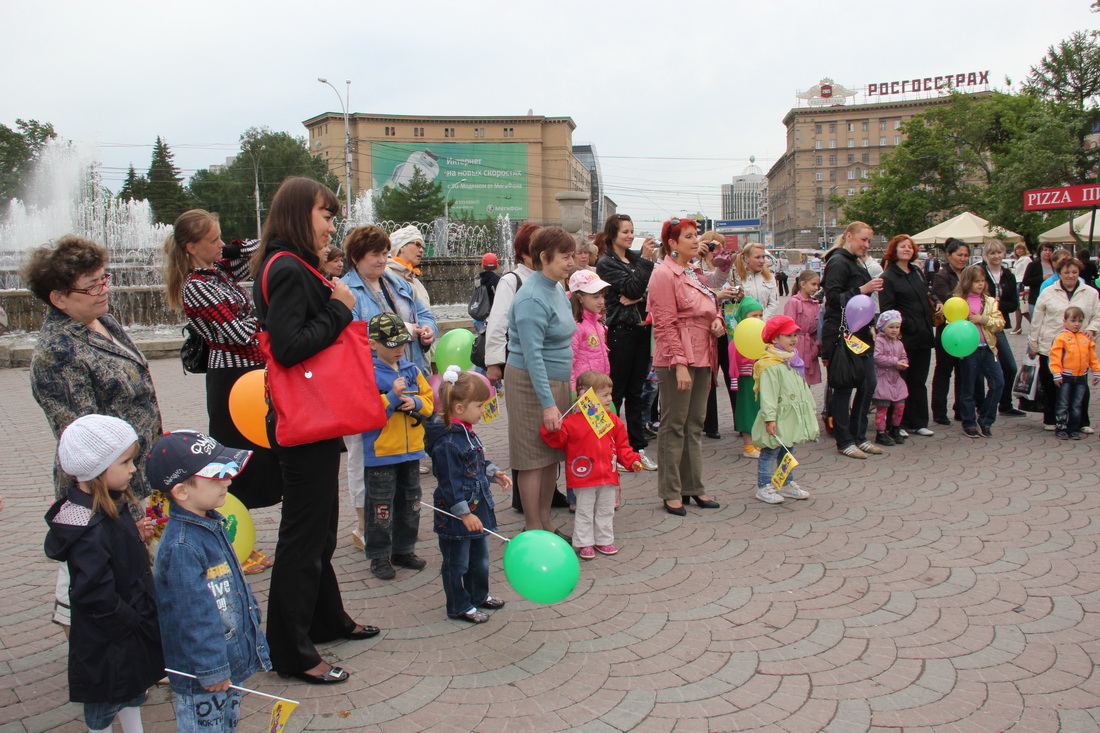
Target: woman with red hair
point(686, 326)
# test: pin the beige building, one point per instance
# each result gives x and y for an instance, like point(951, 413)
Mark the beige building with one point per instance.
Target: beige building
point(489, 166)
point(831, 150)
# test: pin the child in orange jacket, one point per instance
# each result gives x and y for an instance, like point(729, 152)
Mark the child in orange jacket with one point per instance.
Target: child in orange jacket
point(1072, 356)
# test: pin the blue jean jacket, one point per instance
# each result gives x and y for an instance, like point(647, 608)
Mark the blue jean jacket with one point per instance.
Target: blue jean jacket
point(463, 473)
point(210, 621)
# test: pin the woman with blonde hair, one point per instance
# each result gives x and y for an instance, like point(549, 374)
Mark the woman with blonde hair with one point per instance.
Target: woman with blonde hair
point(756, 279)
point(1023, 259)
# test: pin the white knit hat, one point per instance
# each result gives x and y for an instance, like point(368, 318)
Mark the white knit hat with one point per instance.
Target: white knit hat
point(403, 236)
point(92, 443)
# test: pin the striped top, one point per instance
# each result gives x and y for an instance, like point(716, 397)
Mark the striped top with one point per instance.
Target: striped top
point(221, 311)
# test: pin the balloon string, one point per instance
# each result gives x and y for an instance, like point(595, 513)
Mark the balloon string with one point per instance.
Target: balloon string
point(437, 509)
point(242, 689)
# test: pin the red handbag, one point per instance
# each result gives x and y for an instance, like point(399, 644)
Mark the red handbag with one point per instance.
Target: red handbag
point(330, 394)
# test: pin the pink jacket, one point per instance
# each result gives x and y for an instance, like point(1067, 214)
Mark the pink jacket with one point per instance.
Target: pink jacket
point(682, 312)
point(805, 312)
point(590, 347)
point(891, 385)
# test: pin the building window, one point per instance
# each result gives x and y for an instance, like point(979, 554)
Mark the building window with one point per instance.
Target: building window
point(832, 144)
point(897, 139)
point(851, 127)
point(819, 176)
point(817, 160)
point(851, 142)
point(851, 175)
point(817, 129)
point(479, 132)
point(832, 159)
point(820, 190)
point(864, 126)
point(866, 157)
point(897, 124)
point(832, 127)
point(817, 145)
point(851, 157)
point(851, 192)
point(509, 132)
point(864, 189)
point(862, 173)
point(866, 143)
point(882, 125)
point(448, 132)
point(882, 141)
point(418, 132)
point(832, 175)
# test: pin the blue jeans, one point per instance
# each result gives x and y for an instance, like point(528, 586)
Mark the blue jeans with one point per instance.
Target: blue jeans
point(765, 466)
point(982, 362)
point(200, 710)
point(99, 715)
point(1070, 404)
point(850, 415)
point(392, 510)
point(465, 571)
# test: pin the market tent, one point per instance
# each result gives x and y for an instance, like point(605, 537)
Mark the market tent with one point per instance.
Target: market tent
point(968, 227)
point(1061, 234)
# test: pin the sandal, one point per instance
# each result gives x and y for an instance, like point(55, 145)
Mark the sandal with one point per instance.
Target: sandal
point(255, 563)
point(474, 616)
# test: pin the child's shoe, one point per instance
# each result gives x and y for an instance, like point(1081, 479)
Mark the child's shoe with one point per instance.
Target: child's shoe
point(1062, 435)
point(607, 549)
point(410, 560)
point(492, 603)
point(750, 451)
point(1077, 436)
point(382, 569)
point(792, 490)
point(883, 438)
point(898, 435)
point(768, 495)
point(587, 553)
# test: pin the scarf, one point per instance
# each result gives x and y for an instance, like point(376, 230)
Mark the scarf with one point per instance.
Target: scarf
point(774, 355)
point(413, 270)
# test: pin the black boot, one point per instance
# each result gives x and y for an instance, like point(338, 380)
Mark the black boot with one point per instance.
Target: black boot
point(883, 438)
point(898, 438)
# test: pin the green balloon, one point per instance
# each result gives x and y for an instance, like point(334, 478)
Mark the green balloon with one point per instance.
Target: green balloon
point(960, 338)
point(541, 566)
point(454, 347)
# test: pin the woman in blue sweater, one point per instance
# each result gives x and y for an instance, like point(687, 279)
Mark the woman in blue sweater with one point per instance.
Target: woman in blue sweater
point(536, 378)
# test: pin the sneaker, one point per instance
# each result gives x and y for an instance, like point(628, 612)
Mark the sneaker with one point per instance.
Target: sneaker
point(411, 561)
point(870, 448)
point(750, 451)
point(607, 549)
point(425, 469)
point(902, 433)
point(768, 495)
point(1062, 435)
point(924, 432)
point(1049, 428)
point(648, 464)
point(883, 438)
point(972, 432)
point(986, 430)
point(381, 568)
point(1012, 412)
point(791, 490)
point(853, 451)
point(587, 553)
point(1087, 430)
point(1076, 436)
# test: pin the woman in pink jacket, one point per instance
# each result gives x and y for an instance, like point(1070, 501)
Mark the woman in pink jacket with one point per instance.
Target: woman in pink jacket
point(686, 326)
point(586, 296)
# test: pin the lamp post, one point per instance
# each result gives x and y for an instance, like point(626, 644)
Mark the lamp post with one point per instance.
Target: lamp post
point(256, 189)
point(347, 140)
point(824, 211)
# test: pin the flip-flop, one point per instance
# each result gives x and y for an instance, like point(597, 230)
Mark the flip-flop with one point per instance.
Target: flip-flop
point(254, 563)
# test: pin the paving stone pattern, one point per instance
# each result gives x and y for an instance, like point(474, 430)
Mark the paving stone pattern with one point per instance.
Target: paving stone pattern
point(950, 585)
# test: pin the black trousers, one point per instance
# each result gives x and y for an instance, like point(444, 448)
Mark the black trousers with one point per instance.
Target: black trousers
point(710, 424)
point(304, 605)
point(629, 356)
point(916, 379)
point(946, 365)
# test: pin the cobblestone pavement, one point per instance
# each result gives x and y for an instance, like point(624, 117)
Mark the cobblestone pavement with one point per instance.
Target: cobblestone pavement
point(951, 585)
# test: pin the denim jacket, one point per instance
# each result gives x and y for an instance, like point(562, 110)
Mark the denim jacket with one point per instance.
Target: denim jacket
point(201, 591)
point(463, 473)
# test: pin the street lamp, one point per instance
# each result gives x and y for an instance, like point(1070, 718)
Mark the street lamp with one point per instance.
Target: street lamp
point(347, 140)
point(256, 190)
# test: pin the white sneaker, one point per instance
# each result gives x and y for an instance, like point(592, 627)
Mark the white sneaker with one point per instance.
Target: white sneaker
point(903, 433)
point(791, 490)
point(870, 448)
point(924, 432)
point(768, 495)
point(1087, 430)
point(648, 464)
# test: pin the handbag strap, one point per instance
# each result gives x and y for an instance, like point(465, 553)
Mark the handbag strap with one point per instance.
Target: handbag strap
point(277, 255)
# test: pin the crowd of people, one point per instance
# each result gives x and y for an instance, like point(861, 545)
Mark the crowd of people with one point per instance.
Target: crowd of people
point(683, 316)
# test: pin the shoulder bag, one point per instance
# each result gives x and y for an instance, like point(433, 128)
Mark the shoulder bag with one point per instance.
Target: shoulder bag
point(195, 351)
point(846, 368)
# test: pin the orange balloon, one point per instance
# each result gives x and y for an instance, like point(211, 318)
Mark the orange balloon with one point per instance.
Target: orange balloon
point(248, 408)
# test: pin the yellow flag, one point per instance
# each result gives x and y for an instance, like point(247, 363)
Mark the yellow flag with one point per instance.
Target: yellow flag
point(490, 410)
point(594, 413)
point(783, 470)
point(280, 713)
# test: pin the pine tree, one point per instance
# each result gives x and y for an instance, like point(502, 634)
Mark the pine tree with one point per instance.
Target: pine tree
point(19, 151)
point(418, 200)
point(134, 187)
point(164, 185)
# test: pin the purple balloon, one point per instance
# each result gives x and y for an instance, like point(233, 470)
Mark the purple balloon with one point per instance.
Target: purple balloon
point(859, 311)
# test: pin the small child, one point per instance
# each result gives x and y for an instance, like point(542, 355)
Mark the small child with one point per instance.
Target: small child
point(985, 314)
point(891, 390)
point(391, 454)
point(787, 412)
point(463, 474)
point(747, 404)
point(590, 468)
point(1072, 356)
point(210, 621)
point(805, 309)
point(586, 293)
point(114, 645)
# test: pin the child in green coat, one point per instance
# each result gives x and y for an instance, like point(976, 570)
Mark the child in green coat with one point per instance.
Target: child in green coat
point(787, 412)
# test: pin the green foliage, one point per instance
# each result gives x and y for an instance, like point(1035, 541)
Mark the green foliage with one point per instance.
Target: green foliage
point(19, 151)
point(267, 157)
point(134, 187)
point(418, 200)
point(1070, 72)
point(163, 185)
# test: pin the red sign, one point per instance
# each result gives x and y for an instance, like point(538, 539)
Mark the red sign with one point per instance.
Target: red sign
point(826, 90)
point(1067, 197)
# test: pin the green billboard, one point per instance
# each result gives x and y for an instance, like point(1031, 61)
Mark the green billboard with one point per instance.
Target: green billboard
point(482, 179)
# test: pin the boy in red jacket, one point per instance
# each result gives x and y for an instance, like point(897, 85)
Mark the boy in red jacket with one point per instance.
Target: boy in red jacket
point(590, 469)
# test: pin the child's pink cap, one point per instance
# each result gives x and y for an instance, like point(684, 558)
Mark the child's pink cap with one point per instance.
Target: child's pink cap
point(587, 281)
point(777, 326)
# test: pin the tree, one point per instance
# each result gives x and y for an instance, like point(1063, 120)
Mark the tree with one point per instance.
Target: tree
point(418, 200)
point(164, 185)
point(265, 156)
point(19, 151)
point(1070, 73)
point(134, 187)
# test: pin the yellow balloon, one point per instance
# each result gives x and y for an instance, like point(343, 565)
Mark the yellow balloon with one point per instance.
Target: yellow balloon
point(955, 309)
point(748, 338)
point(239, 527)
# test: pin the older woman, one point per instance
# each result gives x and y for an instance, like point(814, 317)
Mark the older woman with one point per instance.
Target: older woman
point(84, 363)
point(905, 290)
point(304, 314)
point(686, 326)
point(845, 277)
point(1000, 284)
point(406, 253)
point(378, 290)
point(756, 279)
point(536, 379)
point(628, 333)
point(1046, 323)
point(944, 283)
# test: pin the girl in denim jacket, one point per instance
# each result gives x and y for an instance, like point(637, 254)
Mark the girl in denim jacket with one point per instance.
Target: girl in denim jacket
point(463, 472)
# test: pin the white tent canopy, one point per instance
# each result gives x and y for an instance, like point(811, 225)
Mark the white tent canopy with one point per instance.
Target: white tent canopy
point(969, 228)
point(1061, 234)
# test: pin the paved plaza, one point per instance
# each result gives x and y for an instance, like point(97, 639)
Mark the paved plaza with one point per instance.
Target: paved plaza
point(951, 585)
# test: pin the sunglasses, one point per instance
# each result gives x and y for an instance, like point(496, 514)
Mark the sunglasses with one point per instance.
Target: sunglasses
point(102, 284)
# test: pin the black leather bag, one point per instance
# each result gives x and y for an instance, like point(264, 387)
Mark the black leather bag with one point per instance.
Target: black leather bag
point(195, 352)
point(846, 369)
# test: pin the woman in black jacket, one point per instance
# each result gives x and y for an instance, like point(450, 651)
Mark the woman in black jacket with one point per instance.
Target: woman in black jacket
point(1039, 270)
point(905, 290)
point(304, 315)
point(944, 283)
point(1000, 283)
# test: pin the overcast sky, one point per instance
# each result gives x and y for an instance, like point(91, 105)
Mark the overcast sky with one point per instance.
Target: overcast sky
point(675, 96)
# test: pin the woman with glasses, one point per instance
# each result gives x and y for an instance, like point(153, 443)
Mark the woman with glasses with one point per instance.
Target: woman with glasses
point(84, 363)
point(406, 253)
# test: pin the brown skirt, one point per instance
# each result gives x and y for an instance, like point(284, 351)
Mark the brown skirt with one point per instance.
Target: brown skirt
point(526, 451)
